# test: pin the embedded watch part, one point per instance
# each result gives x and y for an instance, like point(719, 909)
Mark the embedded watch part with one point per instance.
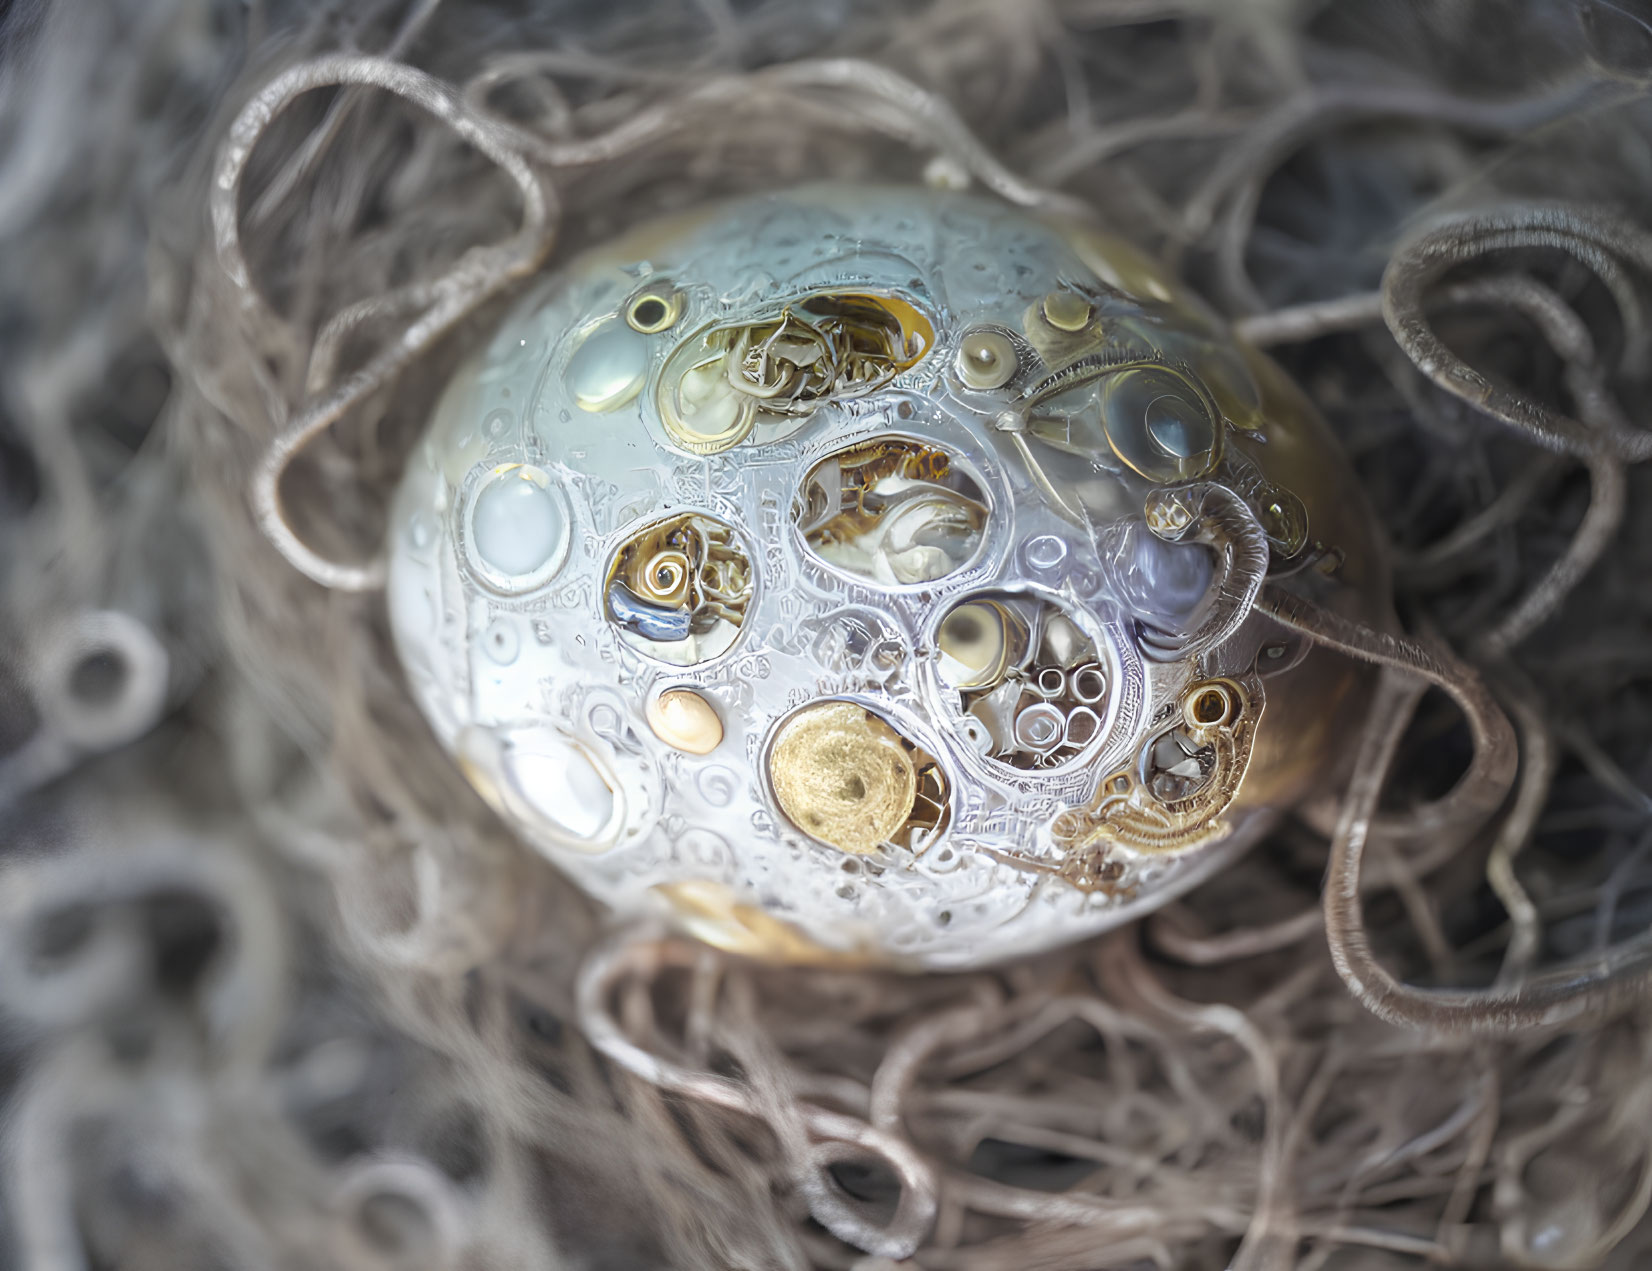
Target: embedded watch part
point(868, 574)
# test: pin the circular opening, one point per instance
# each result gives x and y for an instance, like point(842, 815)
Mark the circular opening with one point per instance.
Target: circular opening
point(394, 1224)
point(654, 310)
point(986, 359)
point(1023, 676)
point(1211, 706)
point(1040, 728)
point(98, 678)
point(679, 590)
point(893, 511)
point(1089, 685)
point(871, 1183)
point(1159, 423)
point(1083, 726)
point(108, 674)
point(777, 367)
point(1176, 766)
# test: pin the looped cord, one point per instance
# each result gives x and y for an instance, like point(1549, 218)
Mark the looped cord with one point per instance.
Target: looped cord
point(915, 1212)
point(1564, 996)
point(1599, 239)
point(861, 94)
point(478, 276)
point(1481, 789)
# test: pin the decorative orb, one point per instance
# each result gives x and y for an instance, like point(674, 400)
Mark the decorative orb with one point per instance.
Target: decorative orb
point(866, 574)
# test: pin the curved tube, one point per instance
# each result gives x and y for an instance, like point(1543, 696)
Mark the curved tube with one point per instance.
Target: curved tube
point(1215, 517)
point(478, 276)
point(1483, 787)
point(1563, 996)
point(914, 1213)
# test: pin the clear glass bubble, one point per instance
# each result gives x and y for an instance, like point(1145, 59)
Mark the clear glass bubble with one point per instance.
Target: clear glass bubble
point(518, 524)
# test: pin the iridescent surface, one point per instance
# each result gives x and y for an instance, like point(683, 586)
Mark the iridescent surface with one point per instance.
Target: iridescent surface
point(866, 573)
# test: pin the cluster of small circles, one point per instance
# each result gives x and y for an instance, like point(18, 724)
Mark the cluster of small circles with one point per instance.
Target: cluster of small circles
point(1025, 680)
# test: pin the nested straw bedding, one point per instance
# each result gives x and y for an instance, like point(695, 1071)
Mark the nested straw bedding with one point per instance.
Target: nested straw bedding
point(281, 993)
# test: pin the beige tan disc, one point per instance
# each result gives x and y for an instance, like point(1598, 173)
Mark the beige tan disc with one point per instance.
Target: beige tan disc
point(680, 717)
point(843, 776)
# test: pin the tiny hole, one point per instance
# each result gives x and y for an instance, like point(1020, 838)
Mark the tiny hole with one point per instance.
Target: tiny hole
point(97, 678)
point(870, 1182)
point(394, 1223)
point(1210, 707)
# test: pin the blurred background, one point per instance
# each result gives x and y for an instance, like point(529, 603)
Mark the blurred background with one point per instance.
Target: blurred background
point(277, 991)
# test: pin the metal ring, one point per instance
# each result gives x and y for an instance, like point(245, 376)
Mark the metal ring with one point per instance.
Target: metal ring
point(1081, 715)
point(1089, 683)
point(1040, 727)
point(1050, 682)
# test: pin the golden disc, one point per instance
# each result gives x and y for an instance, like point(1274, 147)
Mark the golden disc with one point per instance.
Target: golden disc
point(843, 776)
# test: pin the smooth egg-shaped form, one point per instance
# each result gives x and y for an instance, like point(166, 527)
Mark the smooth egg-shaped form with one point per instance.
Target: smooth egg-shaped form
point(865, 574)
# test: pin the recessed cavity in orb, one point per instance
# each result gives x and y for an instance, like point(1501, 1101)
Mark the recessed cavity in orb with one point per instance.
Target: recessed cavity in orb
point(519, 531)
point(654, 309)
point(678, 589)
point(986, 359)
point(1159, 423)
point(1163, 583)
point(1174, 766)
point(893, 510)
point(776, 370)
point(1027, 682)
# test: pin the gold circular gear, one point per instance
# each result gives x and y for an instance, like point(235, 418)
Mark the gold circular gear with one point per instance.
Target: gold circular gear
point(843, 776)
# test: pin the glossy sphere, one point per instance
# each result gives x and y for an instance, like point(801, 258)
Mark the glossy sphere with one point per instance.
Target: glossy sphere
point(866, 574)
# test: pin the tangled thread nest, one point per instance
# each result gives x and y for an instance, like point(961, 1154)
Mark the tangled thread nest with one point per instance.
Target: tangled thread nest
point(281, 993)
